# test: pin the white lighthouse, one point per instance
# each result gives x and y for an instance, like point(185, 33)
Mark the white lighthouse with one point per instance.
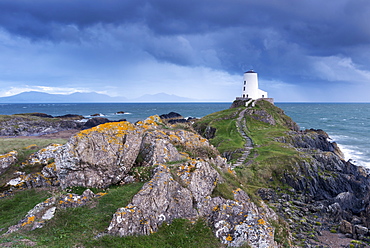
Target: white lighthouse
point(250, 86)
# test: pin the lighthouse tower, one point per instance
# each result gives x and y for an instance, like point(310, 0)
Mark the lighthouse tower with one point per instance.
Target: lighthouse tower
point(250, 86)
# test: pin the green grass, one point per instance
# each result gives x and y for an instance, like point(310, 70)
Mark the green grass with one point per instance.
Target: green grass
point(227, 138)
point(180, 233)
point(9, 144)
point(77, 227)
point(14, 208)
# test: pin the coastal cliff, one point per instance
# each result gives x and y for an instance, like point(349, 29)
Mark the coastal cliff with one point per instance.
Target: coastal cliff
point(245, 176)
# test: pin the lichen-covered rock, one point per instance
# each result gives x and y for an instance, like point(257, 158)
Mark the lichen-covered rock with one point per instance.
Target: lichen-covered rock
point(161, 199)
point(32, 180)
point(7, 160)
point(100, 156)
point(45, 155)
point(237, 222)
point(156, 148)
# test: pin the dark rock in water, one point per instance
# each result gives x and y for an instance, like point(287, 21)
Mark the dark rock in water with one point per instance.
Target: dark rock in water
point(120, 112)
point(70, 116)
point(95, 122)
point(173, 118)
point(97, 114)
point(171, 115)
point(177, 121)
point(43, 115)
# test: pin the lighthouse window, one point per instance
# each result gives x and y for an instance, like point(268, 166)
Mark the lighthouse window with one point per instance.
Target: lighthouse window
point(245, 82)
point(243, 88)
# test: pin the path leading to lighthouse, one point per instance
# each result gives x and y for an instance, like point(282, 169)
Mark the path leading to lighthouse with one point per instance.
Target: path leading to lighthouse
point(241, 127)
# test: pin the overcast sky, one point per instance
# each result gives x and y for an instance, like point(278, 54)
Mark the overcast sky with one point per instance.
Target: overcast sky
point(306, 50)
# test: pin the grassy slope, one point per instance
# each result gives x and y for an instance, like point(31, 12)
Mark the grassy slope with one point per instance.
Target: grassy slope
point(227, 138)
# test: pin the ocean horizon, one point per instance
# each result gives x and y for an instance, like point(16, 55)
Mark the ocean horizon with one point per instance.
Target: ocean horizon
point(347, 124)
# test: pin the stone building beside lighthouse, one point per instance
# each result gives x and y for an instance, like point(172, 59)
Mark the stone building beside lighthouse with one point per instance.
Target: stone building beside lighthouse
point(251, 91)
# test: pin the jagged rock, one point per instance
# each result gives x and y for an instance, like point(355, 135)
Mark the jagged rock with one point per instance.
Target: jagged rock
point(312, 139)
point(7, 160)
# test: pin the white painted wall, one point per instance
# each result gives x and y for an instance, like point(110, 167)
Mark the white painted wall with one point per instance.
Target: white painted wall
point(250, 86)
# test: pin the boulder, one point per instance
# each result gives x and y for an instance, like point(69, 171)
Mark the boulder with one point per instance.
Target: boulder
point(100, 156)
point(7, 160)
point(346, 227)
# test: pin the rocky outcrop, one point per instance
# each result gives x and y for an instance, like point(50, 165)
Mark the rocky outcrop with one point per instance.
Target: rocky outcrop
point(184, 191)
point(312, 139)
point(104, 155)
point(7, 160)
point(30, 125)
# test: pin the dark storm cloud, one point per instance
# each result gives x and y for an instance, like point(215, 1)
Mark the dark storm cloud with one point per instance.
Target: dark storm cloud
point(304, 42)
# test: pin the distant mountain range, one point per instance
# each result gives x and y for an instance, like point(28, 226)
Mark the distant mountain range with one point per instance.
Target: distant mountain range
point(78, 97)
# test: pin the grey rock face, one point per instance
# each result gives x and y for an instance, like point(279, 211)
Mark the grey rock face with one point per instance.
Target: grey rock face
point(100, 156)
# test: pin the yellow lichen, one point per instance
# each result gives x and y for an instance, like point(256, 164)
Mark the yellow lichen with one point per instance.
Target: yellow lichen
point(261, 222)
point(229, 238)
point(29, 220)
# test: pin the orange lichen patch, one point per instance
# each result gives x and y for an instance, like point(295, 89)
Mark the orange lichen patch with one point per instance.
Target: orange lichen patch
point(33, 146)
point(230, 170)
point(229, 238)
point(29, 220)
point(236, 190)
point(118, 128)
point(261, 222)
point(100, 194)
point(150, 122)
point(9, 154)
point(216, 208)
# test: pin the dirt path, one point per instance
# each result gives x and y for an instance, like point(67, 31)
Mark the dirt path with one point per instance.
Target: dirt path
point(240, 125)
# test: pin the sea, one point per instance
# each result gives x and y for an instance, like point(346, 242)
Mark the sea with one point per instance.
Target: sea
point(348, 124)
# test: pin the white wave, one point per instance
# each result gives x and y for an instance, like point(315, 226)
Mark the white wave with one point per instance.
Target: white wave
point(127, 113)
point(354, 155)
point(95, 115)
